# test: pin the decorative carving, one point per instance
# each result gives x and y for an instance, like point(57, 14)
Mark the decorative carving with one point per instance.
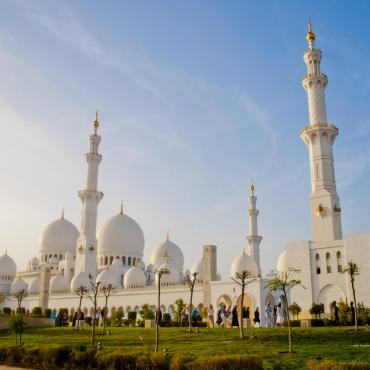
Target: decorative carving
point(320, 210)
point(80, 248)
point(91, 248)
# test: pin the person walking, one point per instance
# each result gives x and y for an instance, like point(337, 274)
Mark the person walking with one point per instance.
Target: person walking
point(268, 315)
point(279, 315)
point(210, 317)
point(352, 308)
point(234, 320)
point(256, 318)
point(336, 313)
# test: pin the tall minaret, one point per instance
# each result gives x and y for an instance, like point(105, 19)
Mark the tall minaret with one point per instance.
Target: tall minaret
point(254, 240)
point(90, 198)
point(319, 137)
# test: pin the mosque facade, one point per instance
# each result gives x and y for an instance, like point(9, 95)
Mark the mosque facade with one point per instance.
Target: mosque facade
point(69, 258)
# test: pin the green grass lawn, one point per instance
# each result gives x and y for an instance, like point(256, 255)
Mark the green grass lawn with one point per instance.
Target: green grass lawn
point(340, 344)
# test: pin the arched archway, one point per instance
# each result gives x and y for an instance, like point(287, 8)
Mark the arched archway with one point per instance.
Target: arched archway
point(270, 298)
point(328, 294)
point(248, 302)
point(224, 300)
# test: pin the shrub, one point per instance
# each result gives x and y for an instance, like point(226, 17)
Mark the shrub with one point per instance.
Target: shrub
point(293, 323)
point(56, 356)
point(117, 317)
point(7, 310)
point(317, 322)
point(47, 312)
point(36, 311)
point(115, 360)
point(131, 317)
point(14, 355)
point(146, 312)
point(226, 363)
point(82, 359)
point(333, 365)
point(295, 309)
point(316, 310)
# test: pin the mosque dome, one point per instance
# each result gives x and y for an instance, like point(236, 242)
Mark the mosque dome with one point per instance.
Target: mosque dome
point(58, 284)
point(81, 279)
point(282, 262)
point(198, 267)
point(170, 250)
point(17, 286)
point(134, 278)
point(106, 278)
point(34, 286)
point(121, 236)
point(172, 277)
point(7, 266)
point(244, 262)
point(58, 237)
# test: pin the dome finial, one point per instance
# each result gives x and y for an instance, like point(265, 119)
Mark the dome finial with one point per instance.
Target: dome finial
point(96, 122)
point(251, 187)
point(310, 37)
point(121, 211)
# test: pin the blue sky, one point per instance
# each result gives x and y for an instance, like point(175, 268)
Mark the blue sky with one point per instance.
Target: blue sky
point(195, 98)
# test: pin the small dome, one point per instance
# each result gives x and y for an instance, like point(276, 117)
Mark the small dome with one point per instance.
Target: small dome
point(68, 256)
point(282, 262)
point(34, 286)
point(172, 277)
point(58, 284)
point(170, 250)
point(53, 260)
point(7, 266)
point(17, 286)
point(198, 267)
point(134, 278)
point(106, 278)
point(121, 236)
point(58, 237)
point(79, 280)
point(244, 262)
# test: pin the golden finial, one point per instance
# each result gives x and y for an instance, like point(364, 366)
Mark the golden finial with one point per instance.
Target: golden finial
point(62, 214)
point(251, 187)
point(121, 211)
point(96, 122)
point(310, 35)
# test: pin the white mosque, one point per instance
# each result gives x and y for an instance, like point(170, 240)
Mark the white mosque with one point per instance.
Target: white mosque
point(69, 258)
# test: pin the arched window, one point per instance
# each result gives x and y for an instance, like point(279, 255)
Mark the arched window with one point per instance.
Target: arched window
point(318, 264)
point(111, 260)
point(124, 260)
point(328, 263)
point(60, 257)
point(106, 261)
point(134, 261)
point(339, 261)
point(129, 261)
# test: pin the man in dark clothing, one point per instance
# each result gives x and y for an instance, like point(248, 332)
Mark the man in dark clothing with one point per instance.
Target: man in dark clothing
point(336, 313)
point(352, 308)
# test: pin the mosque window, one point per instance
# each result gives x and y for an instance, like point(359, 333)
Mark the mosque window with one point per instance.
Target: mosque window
point(111, 260)
point(328, 263)
point(106, 261)
point(129, 261)
point(339, 262)
point(134, 261)
point(124, 260)
point(318, 264)
point(60, 257)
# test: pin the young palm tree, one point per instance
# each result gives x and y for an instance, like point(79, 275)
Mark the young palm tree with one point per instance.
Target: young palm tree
point(283, 281)
point(191, 279)
point(242, 278)
point(352, 269)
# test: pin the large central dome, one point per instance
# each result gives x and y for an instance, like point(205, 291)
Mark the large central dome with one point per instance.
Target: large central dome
point(120, 237)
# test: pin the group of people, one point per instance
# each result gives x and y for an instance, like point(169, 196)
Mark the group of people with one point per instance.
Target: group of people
point(229, 318)
point(274, 315)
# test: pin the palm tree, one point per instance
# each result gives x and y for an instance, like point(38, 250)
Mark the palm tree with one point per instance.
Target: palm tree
point(352, 269)
point(283, 281)
point(242, 278)
point(191, 279)
point(159, 272)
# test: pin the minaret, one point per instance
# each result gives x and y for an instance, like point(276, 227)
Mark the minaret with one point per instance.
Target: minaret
point(90, 198)
point(254, 240)
point(319, 137)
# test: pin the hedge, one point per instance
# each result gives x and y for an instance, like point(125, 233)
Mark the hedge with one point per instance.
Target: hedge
point(81, 358)
point(333, 365)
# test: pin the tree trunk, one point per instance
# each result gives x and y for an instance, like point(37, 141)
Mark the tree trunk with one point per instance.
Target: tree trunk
point(190, 307)
point(157, 321)
point(93, 324)
point(105, 314)
point(79, 312)
point(354, 301)
point(241, 312)
point(288, 319)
